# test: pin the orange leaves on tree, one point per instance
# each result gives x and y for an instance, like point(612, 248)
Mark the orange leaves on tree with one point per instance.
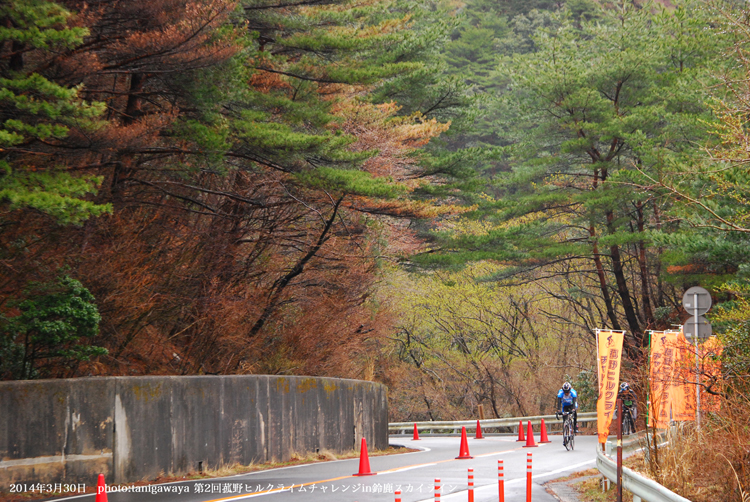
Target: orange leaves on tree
point(395, 139)
point(177, 36)
point(265, 81)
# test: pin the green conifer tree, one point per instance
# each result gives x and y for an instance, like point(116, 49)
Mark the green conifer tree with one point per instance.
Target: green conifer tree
point(35, 110)
point(598, 104)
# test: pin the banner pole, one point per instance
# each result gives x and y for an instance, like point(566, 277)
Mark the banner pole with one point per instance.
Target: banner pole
point(619, 449)
point(648, 378)
point(697, 367)
point(598, 381)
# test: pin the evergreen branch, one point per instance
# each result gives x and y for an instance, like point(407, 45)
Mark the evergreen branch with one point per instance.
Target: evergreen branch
point(301, 77)
point(696, 202)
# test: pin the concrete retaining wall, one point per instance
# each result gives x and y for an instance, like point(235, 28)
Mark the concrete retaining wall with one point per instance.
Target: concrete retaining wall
point(133, 428)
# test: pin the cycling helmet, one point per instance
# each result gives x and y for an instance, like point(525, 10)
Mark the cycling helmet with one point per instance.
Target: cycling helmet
point(566, 387)
point(624, 387)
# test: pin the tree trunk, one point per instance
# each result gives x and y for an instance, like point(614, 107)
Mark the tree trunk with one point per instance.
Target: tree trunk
point(624, 292)
point(603, 281)
point(643, 265)
point(133, 107)
point(16, 58)
point(122, 169)
point(657, 262)
point(15, 61)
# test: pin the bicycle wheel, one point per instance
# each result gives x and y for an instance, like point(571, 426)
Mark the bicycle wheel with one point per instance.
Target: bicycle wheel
point(629, 426)
point(566, 435)
point(572, 440)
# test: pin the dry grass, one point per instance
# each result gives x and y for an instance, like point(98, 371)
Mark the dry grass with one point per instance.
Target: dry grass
point(576, 475)
point(709, 464)
point(590, 490)
point(696, 464)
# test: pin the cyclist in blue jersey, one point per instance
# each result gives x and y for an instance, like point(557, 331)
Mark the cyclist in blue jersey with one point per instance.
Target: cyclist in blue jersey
point(567, 401)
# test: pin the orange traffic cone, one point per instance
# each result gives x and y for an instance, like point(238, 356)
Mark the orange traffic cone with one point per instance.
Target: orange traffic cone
point(101, 490)
point(364, 462)
point(479, 431)
point(416, 433)
point(520, 432)
point(464, 452)
point(530, 437)
point(543, 434)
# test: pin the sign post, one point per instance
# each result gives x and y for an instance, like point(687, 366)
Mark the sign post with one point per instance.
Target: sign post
point(697, 300)
point(620, 416)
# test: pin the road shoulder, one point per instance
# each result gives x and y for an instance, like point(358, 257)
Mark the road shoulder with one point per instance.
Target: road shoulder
point(564, 489)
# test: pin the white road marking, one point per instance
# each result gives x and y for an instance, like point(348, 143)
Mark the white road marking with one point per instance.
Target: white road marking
point(405, 468)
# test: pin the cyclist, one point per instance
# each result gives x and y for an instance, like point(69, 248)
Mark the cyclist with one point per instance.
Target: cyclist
point(567, 401)
point(629, 400)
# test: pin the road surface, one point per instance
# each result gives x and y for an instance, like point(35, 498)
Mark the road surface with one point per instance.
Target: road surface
point(413, 473)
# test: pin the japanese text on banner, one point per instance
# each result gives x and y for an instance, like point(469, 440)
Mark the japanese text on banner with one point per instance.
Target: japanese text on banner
point(609, 358)
point(683, 382)
point(663, 344)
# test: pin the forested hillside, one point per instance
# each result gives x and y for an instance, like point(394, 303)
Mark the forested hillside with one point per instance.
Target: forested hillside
point(209, 187)
point(444, 196)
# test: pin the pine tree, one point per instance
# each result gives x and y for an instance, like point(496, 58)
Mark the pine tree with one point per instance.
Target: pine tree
point(35, 111)
point(598, 104)
point(710, 193)
point(51, 323)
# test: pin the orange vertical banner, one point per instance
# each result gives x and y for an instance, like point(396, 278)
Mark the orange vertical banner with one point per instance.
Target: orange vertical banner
point(683, 381)
point(663, 344)
point(609, 360)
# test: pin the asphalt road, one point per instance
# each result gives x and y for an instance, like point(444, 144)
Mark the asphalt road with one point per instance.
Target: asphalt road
point(413, 473)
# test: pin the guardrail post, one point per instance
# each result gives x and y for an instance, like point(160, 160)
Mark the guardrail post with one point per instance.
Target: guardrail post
point(500, 481)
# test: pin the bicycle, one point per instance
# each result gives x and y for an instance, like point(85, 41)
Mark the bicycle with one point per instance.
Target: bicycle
point(628, 424)
point(569, 431)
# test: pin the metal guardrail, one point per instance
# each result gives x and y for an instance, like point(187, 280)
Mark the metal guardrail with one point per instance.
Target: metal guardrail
point(632, 444)
point(487, 423)
point(642, 488)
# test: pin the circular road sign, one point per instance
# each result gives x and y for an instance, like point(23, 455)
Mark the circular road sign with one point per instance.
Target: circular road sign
point(703, 327)
point(703, 304)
